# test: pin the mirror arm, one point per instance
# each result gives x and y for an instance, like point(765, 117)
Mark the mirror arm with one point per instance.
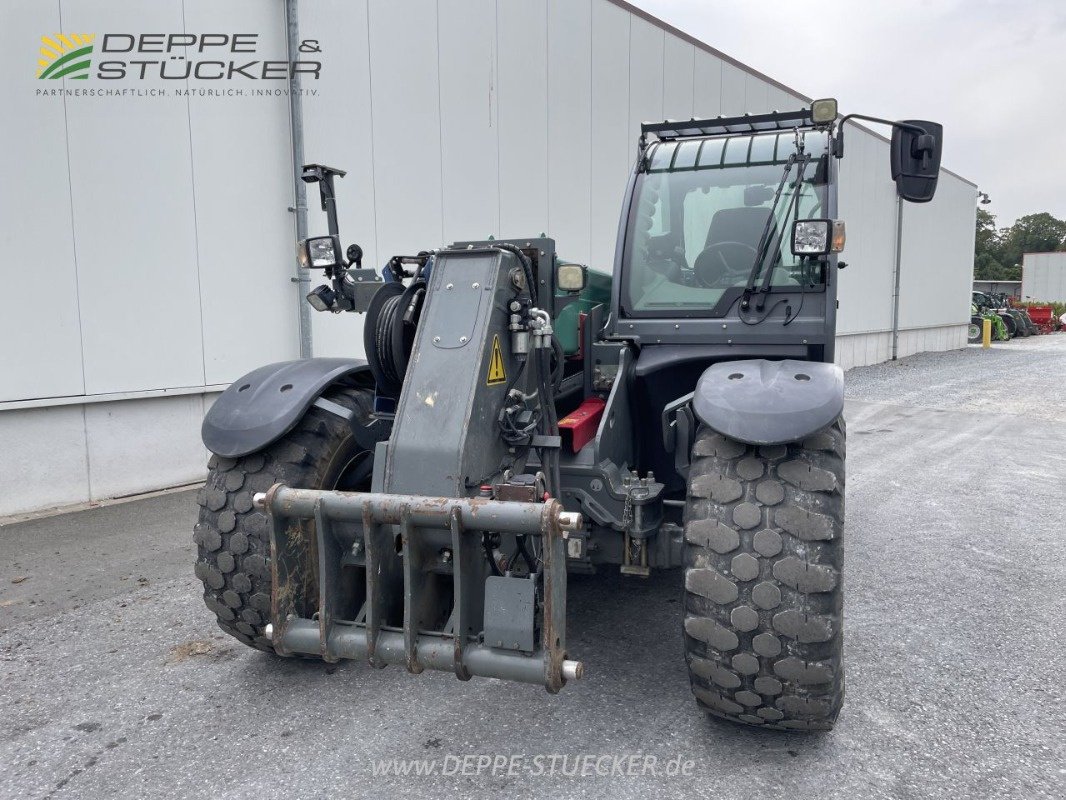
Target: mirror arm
point(838, 148)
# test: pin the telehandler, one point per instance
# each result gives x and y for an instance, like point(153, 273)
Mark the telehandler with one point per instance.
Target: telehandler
point(518, 417)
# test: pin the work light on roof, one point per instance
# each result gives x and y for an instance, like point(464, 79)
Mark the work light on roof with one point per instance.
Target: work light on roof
point(824, 111)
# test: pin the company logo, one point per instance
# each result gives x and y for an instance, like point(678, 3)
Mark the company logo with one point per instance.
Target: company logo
point(65, 55)
point(174, 57)
point(174, 65)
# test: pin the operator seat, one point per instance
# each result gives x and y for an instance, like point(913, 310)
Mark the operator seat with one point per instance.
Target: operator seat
point(742, 224)
point(745, 224)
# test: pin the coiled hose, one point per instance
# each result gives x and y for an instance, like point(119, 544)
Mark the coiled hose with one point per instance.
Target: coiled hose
point(384, 327)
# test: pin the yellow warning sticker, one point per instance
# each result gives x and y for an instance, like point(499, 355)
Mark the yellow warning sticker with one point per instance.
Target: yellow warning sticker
point(497, 374)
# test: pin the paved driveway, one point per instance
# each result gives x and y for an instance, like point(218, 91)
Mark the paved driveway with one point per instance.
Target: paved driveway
point(116, 683)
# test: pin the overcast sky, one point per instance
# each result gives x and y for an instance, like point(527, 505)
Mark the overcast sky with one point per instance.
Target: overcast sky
point(993, 72)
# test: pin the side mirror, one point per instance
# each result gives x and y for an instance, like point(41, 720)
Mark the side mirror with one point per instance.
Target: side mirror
point(571, 277)
point(916, 159)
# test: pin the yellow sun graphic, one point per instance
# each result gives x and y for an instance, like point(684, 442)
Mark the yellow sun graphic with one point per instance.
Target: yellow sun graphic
point(65, 55)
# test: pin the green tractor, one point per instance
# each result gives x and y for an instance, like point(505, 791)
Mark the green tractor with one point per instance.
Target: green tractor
point(1007, 321)
point(975, 331)
point(980, 310)
point(518, 418)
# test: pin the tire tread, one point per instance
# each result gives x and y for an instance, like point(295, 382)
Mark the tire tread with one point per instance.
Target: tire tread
point(763, 624)
point(233, 537)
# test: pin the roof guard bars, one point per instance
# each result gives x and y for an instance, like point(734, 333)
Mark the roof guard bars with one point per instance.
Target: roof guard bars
point(715, 126)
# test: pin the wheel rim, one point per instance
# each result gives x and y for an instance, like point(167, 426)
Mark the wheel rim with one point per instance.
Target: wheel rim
point(356, 474)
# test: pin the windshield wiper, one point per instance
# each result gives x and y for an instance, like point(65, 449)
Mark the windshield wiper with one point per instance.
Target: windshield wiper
point(760, 251)
point(793, 209)
point(764, 239)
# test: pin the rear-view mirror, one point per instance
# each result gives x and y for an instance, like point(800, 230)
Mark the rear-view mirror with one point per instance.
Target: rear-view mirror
point(757, 195)
point(916, 148)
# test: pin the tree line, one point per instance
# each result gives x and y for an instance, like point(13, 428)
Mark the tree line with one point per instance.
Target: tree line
point(998, 251)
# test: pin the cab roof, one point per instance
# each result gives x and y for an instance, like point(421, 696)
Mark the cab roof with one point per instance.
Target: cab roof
point(716, 126)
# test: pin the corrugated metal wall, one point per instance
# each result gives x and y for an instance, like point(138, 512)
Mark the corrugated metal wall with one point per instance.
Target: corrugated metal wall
point(142, 226)
point(937, 264)
point(1044, 277)
point(149, 247)
point(532, 127)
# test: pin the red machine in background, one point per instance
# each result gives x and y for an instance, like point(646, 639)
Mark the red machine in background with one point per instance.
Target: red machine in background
point(1043, 318)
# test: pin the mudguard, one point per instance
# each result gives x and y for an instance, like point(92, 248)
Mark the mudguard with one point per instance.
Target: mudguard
point(769, 402)
point(267, 402)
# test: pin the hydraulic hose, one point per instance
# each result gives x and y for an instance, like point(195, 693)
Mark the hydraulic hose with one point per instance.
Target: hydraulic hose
point(527, 267)
point(549, 455)
point(560, 360)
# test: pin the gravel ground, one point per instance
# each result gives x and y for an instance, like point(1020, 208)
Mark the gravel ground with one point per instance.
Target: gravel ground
point(117, 683)
point(999, 380)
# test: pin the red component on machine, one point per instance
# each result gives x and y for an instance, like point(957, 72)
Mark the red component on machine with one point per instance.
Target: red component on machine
point(1042, 318)
point(579, 426)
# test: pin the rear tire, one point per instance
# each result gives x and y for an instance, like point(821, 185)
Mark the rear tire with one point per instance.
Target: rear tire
point(1020, 328)
point(1011, 325)
point(763, 624)
point(233, 537)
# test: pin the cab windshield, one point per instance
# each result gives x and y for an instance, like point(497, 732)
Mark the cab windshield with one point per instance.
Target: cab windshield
point(699, 212)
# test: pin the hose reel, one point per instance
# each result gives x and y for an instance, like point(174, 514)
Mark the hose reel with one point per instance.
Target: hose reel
point(389, 332)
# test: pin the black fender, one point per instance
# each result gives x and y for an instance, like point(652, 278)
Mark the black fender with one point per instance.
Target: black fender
point(769, 402)
point(266, 403)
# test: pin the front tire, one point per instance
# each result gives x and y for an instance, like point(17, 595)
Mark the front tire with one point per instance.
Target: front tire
point(763, 624)
point(973, 334)
point(233, 537)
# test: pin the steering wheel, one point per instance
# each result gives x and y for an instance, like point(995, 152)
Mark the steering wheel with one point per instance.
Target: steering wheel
point(714, 268)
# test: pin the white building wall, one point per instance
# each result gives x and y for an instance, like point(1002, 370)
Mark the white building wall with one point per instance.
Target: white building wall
point(1044, 277)
point(936, 265)
point(148, 249)
point(169, 242)
point(35, 208)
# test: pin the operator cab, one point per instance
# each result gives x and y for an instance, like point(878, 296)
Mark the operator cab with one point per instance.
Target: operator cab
point(708, 269)
point(728, 247)
point(702, 210)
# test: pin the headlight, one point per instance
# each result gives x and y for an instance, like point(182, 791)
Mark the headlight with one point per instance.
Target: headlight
point(817, 237)
point(318, 252)
point(570, 277)
point(322, 298)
